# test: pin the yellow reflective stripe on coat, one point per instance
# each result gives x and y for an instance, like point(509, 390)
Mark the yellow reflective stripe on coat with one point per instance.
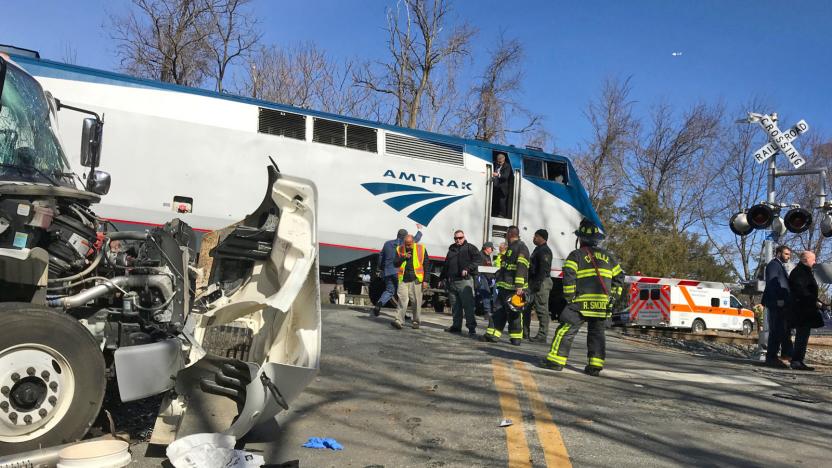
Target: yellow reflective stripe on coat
point(504, 285)
point(594, 313)
point(617, 270)
point(571, 264)
point(603, 272)
point(569, 288)
point(523, 260)
point(592, 297)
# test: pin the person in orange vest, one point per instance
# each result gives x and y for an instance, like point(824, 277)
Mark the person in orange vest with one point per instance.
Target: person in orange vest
point(412, 260)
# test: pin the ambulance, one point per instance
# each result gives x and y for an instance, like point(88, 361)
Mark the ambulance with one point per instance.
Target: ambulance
point(687, 304)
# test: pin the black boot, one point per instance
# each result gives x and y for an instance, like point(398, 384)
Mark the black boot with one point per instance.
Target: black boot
point(515, 341)
point(594, 371)
point(540, 337)
point(377, 310)
point(547, 364)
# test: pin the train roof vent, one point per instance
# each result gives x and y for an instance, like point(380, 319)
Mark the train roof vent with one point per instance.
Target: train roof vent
point(332, 132)
point(275, 122)
point(401, 145)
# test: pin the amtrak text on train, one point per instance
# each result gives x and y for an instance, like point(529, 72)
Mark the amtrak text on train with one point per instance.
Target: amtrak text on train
point(413, 177)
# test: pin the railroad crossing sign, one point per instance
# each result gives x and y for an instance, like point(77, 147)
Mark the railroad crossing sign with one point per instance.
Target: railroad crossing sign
point(779, 140)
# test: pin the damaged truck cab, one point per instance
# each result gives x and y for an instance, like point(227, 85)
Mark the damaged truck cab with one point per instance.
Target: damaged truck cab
point(237, 327)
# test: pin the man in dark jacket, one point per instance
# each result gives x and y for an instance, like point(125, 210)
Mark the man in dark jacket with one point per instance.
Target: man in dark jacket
point(804, 313)
point(458, 274)
point(485, 283)
point(503, 176)
point(540, 285)
point(776, 300)
point(389, 269)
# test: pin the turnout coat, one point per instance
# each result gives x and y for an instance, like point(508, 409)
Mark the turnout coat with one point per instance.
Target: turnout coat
point(803, 289)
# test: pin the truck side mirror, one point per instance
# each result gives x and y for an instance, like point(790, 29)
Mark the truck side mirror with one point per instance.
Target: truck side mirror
point(91, 132)
point(99, 182)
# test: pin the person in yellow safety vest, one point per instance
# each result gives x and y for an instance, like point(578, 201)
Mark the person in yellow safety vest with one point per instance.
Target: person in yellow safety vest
point(412, 260)
point(499, 259)
point(592, 282)
point(512, 280)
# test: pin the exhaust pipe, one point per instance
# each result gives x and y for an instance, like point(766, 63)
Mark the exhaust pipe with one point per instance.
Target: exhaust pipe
point(161, 282)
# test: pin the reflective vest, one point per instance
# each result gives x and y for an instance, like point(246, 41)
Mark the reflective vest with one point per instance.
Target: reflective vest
point(418, 259)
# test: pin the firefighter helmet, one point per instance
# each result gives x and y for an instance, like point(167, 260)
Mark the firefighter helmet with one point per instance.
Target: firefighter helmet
point(517, 303)
point(588, 232)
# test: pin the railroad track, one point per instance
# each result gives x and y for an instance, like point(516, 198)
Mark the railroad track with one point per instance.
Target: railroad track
point(714, 337)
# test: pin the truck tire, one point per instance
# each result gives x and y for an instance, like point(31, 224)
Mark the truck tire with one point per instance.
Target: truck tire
point(52, 378)
point(698, 326)
point(747, 327)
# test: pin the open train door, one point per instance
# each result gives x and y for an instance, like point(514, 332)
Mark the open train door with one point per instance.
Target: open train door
point(497, 223)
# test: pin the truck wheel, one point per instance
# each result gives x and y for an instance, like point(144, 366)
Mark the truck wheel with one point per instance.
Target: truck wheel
point(747, 327)
point(698, 326)
point(52, 378)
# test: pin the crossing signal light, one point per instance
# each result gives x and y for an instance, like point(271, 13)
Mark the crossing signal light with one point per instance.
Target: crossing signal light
point(778, 226)
point(739, 224)
point(826, 225)
point(798, 220)
point(760, 216)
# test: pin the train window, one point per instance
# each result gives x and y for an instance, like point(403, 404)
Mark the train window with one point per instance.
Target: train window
point(329, 132)
point(557, 171)
point(654, 294)
point(714, 302)
point(644, 294)
point(533, 168)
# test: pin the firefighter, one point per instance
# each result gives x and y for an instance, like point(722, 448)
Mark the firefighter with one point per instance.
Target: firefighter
point(540, 285)
point(592, 281)
point(512, 285)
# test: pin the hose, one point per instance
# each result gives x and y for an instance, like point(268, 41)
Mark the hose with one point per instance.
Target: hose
point(92, 266)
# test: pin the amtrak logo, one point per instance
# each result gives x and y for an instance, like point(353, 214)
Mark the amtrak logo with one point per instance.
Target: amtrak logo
point(412, 198)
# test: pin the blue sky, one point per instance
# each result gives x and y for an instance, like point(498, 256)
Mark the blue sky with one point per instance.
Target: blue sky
point(731, 50)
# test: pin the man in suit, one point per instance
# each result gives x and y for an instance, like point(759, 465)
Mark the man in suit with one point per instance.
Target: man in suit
point(804, 313)
point(776, 300)
point(503, 176)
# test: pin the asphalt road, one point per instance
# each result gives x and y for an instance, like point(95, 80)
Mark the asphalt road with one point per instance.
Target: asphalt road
point(428, 398)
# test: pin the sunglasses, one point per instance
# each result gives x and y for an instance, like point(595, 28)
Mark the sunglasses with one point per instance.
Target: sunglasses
point(459, 238)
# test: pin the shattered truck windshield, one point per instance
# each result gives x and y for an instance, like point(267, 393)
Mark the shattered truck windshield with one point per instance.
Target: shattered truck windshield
point(29, 147)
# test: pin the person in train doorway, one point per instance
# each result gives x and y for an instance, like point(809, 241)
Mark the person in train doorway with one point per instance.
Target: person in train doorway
point(458, 274)
point(413, 261)
point(502, 179)
point(592, 282)
point(484, 285)
point(540, 285)
point(776, 299)
point(804, 313)
point(512, 290)
point(389, 268)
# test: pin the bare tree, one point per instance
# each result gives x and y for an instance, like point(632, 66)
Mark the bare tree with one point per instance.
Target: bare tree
point(232, 33)
point(69, 54)
point(419, 45)
point(614, 134)
point(164, 40)
point(673, 160)
point(492, 104)
point(739, 182)
point(303, 75)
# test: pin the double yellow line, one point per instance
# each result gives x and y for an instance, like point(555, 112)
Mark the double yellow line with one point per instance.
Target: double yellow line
point(554, 450)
